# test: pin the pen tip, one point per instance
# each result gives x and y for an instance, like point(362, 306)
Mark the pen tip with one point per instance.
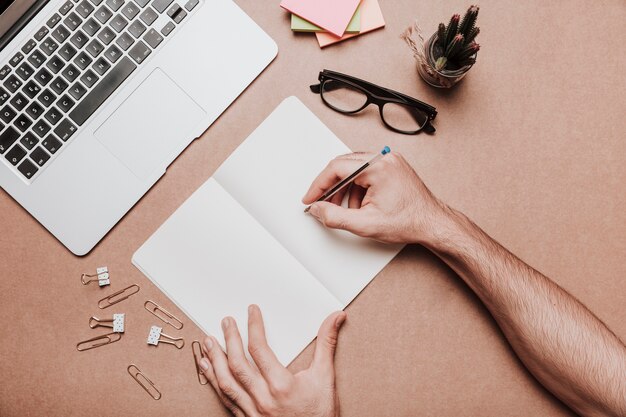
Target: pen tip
point(306, 210)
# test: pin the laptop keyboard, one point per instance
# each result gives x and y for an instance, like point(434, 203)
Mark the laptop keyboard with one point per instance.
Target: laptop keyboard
point(70, 66)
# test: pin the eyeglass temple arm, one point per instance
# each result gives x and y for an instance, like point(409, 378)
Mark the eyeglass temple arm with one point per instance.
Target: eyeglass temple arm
point(316, 88)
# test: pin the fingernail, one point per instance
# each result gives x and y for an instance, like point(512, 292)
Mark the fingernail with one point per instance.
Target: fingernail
point(315, 211)
point(225, 323)
point(204, 364)
point(251, 308)
point(340, 320)
point(208, 343)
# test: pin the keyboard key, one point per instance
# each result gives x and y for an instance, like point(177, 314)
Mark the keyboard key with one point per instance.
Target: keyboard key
point(139, 52)
point(23, 122)
point(153, 38)
point(83, 60)
point(29, 140)
point(28, 46)
point(37, 58)
point(102, 91)
point(67, 52)
point(59, 85)
point(24, 71)
point(31, 89)
point(65, 130)
point(161, 5)
point(27, 168)
point(84, 9)
point(16, 154)
point(148, 16)
point(79, 39)
point(4, 96)
point(65, 103)
point(89, 78)
point(77, 91)
point(113, 54)
point(101, 66)
point(43, 76)
point(115, 4)
point(168, 28)
point(52, 22)
point(96, 2)
point(19, 101)
point(34, 110)
point(136, 28)
point(191, 4)
point(106, 35)
point(7, 114)
point(125, 41)
point(8, 138)
point(49, 46)
point(179, 15)
point(51, 143)
point(53, 116)
point(17, 58)
point(46, 98)
point(67, 6)
point(103, 14)
point(142, 3)
point(73, 21)
point(39, 156)
point(55, 64)
point(60, 33)
point(4, 71)
point(118, 23)
point(43, 31)
point(41, 128)
point(12, 83)
point(70, 73)
point(91, 27)
point(130, 10)
point(94, 48)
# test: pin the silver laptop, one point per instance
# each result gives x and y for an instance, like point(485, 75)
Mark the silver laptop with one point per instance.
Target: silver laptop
point(98, 97)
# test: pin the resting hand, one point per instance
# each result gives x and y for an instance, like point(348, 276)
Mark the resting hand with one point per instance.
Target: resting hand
point(387, 202)
point(270, 390)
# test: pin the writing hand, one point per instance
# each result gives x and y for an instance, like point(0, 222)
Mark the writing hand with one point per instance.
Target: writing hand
point(270, 390)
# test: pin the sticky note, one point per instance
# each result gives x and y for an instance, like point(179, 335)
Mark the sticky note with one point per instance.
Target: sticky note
point(331, 15)
point(371, 19)
point(298, 24)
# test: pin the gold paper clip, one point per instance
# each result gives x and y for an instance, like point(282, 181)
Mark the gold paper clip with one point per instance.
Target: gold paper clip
point(153, 307)
point(116, 323)
point(101, 275)
point(151, 389)
point(98, 341)
point(197, 355)
point(111, 299)
point(154, 337)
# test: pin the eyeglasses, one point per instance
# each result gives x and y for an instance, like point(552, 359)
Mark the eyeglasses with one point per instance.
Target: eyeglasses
point(350, 95)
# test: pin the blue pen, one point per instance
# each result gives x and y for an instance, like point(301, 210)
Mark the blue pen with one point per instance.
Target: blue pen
point(346, 181)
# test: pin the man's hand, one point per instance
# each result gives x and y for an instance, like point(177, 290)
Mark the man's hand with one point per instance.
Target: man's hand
point(388, 202)
point(269, 389)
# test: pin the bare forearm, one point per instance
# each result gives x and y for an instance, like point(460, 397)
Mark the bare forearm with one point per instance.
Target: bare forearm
point(570, 351)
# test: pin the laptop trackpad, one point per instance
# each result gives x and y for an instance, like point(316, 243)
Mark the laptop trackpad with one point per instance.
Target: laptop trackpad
point(144, 131)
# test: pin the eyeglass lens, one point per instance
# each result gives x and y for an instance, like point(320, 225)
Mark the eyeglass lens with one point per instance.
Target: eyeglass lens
point(346, 98)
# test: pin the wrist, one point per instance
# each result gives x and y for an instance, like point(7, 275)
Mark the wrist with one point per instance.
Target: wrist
point(444, 227)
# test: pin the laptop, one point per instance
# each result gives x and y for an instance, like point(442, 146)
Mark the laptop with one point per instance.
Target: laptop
point(98, 97)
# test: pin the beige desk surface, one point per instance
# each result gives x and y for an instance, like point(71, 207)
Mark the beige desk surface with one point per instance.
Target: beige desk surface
point(531, 145)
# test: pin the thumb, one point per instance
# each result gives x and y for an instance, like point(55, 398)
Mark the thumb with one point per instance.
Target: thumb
point(337, 217)
point(324, 356)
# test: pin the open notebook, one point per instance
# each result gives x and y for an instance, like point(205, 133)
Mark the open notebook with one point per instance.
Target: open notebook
point(243, 238)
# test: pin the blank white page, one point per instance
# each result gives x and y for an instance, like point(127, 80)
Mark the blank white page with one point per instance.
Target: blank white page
point(213, 259)
point(268, 175)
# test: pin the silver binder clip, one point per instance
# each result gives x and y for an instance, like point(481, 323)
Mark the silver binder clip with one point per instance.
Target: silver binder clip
point(154, 337)
point(116, 323)
point(101, 275)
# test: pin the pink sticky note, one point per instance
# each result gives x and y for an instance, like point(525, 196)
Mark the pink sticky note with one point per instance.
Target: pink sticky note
point(371, 19)
point(332, 15)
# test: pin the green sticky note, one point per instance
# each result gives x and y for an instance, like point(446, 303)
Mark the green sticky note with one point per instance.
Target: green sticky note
point(298, 24)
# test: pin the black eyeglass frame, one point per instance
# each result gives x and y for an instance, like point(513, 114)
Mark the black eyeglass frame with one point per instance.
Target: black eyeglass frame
point(376, 95)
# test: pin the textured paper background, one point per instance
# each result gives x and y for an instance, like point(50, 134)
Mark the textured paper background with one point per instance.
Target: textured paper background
point(530, 145)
